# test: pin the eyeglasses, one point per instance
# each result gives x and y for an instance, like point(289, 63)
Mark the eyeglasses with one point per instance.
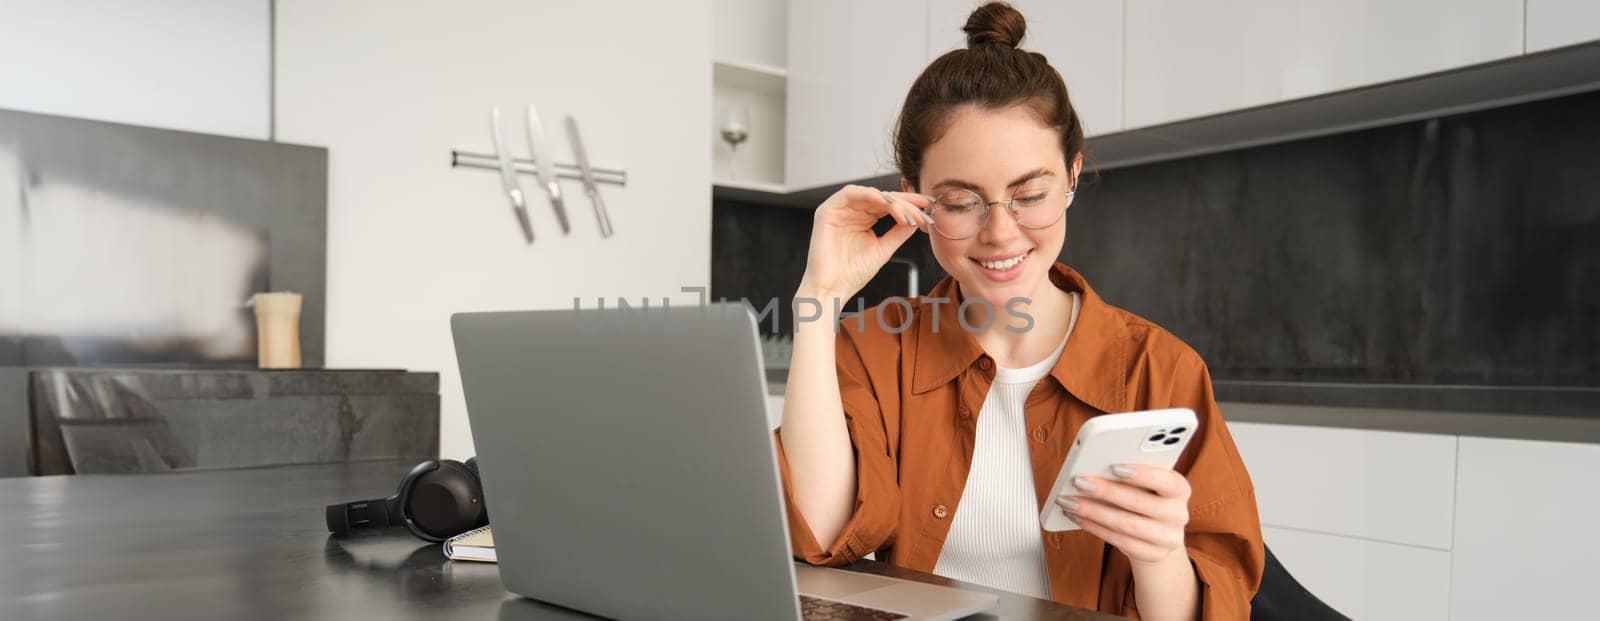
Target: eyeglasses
point(961, 213)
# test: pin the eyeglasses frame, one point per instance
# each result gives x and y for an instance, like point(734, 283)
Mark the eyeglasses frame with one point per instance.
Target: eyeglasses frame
point(983, 220)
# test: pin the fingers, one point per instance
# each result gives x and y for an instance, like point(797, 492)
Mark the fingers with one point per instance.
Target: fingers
point(1143, 513)
point(1133, 499)
point(1162, 481)
point(1122, 522)
point(1126, 527)
point(1136, 549)
point(854, 203)
point(895, 238)
point(863, 206)
point(921, 201)
point(907, 209)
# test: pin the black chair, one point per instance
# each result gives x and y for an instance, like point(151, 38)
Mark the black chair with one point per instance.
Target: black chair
point(1282, 598)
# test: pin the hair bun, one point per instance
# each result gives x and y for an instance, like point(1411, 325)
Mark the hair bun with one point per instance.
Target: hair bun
point(995, 22)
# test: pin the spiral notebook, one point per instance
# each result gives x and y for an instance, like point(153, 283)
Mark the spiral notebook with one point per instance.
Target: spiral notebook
point(474, 545)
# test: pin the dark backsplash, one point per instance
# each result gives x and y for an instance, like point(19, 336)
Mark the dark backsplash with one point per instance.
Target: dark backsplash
point(1460, 250)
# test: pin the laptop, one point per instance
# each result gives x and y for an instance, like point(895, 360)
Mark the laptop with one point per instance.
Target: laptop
point(630, 472)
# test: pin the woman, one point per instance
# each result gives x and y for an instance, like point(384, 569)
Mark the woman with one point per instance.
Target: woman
point(930, 432)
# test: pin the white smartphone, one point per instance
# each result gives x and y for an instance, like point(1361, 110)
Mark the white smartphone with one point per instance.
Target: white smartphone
point(1151, 437)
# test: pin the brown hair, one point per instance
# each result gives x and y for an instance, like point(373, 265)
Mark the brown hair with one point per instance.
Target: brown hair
point(991, 73)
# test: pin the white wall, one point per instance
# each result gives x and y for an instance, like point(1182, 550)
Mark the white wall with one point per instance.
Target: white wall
point(390, 88)
point(196, 65)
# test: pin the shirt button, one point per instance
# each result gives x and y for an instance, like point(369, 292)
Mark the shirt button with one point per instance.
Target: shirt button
point(1038, 434)
point(966, 413)
point(985, 364)
point(940, 512)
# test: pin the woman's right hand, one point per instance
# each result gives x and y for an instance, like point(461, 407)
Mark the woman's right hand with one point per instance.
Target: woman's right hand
point(845, 254)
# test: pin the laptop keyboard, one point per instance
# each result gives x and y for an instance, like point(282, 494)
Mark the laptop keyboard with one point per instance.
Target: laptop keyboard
point(818, 609)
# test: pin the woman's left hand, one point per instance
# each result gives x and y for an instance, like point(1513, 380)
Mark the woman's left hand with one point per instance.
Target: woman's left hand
point(1142, 512)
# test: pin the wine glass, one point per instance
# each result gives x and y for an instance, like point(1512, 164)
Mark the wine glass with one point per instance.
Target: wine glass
point(735, 127)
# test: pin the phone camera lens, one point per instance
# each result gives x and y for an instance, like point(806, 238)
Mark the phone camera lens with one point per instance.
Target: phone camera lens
point(1179, 430)
point(1156, 438)
point(1171, 441)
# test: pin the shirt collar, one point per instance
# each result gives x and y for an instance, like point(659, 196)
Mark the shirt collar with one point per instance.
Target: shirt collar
point(1091, 368)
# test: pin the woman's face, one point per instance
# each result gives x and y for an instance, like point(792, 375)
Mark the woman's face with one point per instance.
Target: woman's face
point(999, 153)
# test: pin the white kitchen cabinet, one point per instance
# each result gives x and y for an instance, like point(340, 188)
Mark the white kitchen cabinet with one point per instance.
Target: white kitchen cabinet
point(1365, 579)
point(755, 92)
point(850, 66)
point(753, 31)
point(1525, 543)
point(749, 79)
point(1377, 485)
point(1188, 59)
point(1559, 23)
point(1082, 39)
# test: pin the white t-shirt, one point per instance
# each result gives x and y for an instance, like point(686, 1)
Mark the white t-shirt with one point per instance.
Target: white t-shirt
point(995, 539)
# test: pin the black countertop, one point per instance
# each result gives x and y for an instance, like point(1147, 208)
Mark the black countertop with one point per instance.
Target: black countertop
point(251, 544)
point(1558, 401)
point(1474, 424)
point(1554, 414)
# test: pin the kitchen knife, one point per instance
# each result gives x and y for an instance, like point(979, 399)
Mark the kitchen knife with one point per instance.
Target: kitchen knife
point(589, 186)
point(546, 166)
point(508, 176)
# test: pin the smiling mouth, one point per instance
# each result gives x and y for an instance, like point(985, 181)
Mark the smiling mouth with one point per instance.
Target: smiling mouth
point(1002, 265)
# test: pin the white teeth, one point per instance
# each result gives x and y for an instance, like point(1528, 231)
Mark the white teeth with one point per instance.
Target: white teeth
point(1006, 264)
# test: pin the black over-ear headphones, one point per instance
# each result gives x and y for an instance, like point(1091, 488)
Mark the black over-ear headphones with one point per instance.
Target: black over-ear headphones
point(437, 500)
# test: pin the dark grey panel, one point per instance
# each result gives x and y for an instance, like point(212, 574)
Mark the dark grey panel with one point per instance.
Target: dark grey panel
point(1462, 251)
point(1458, 251)
point(15, 437)
point(1545, 401)
point(1486, 424)
point(124, 420)
point(89, 206)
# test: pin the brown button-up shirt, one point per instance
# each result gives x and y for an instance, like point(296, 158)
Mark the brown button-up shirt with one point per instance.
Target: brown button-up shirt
point(911, 401)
